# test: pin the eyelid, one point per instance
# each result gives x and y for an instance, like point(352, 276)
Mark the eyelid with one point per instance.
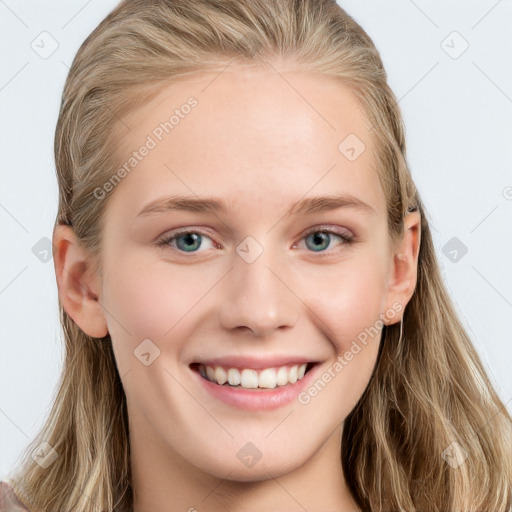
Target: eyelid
point(344, 233)
point(165, 239)
point(337, 230)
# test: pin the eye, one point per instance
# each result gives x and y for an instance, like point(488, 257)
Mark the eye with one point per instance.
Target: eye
point(190, 241)
point(319, 239)
point(186, 240)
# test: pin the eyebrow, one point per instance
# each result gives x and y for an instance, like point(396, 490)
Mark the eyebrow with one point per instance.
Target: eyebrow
point(214, 205)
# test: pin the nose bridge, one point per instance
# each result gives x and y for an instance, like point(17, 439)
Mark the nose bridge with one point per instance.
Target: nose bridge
point(256, 294)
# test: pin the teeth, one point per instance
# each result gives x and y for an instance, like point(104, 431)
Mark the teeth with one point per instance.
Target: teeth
point(220, 375)
point(282, 376)
point(234, 377)
point(250, 379)
point(267, 378)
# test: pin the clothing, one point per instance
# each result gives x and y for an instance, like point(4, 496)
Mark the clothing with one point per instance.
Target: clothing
point(9, 502)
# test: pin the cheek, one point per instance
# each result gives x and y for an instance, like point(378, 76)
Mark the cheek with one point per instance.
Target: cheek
point(346, 306)
point(147, 300)
point(347, 300)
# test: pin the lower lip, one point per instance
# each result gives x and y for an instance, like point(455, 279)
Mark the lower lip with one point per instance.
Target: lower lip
point(257, 399)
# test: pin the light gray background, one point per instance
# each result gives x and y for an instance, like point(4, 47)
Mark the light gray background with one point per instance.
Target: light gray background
point(458, 114)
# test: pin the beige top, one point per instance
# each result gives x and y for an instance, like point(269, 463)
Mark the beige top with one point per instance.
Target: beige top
point(9, 502)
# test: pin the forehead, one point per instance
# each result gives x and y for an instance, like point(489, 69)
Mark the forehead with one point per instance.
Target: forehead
point(274, 134)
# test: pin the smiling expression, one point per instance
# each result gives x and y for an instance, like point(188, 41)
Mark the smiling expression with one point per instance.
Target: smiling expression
point(246, 239)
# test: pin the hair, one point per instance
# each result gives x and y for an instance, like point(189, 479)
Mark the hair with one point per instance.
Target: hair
point(428, 389)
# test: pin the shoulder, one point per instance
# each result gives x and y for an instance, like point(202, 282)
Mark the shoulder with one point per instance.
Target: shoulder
point(9, 502)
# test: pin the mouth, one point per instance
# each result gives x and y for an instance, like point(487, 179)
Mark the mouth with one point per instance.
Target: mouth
point(254, 379)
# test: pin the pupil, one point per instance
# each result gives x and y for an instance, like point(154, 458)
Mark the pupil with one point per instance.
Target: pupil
point(319, 238)
point(191, 238)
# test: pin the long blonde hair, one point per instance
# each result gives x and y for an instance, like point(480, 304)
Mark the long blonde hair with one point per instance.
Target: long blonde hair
point(428, 391)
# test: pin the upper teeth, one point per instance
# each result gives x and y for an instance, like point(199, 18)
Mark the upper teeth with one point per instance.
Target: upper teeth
point(250, 379)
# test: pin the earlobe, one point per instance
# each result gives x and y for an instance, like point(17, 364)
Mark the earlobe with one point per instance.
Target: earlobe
point(403, 271)
point(78, 284)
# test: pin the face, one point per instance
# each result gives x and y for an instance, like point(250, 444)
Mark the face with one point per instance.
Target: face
point(263, 276)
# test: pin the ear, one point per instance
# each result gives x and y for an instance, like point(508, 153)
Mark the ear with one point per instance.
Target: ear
point(403, 270)
point(78, 282)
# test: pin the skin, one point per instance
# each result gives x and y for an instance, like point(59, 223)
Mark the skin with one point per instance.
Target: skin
point(259, 145)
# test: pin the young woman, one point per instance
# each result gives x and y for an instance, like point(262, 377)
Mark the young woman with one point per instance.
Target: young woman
point(253, 312)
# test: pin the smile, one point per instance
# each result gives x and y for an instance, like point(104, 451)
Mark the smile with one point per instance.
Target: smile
point(265, 388)
point(248, 378)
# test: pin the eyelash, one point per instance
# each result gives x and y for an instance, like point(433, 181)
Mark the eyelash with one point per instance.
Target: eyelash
point(166, 241)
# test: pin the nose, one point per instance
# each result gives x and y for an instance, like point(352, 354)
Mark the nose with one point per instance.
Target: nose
point(259, 297)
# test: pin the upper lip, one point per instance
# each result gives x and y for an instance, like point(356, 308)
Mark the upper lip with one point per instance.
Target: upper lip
point(256, 363)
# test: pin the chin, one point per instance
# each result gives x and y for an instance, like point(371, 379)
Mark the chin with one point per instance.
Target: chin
point(262, 469)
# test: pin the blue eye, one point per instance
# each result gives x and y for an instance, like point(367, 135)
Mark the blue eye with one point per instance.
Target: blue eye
point(320, 239)
point(187, 241)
